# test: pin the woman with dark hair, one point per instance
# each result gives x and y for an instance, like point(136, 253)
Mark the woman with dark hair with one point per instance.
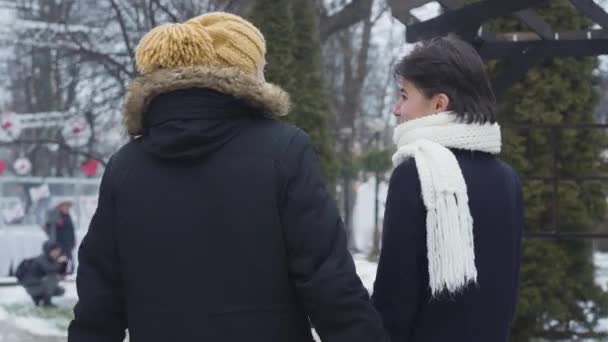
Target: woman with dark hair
point(449, 267)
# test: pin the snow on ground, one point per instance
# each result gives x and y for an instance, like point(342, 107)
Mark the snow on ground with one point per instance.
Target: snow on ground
point(367, 271)
point(3, 314)
point(21, 319)
point(39, 326)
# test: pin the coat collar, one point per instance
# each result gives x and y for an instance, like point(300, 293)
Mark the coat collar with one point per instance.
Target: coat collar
point(264, 96)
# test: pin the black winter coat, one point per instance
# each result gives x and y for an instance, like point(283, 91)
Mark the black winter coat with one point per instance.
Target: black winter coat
point(215, 225)
point(43, 266)
point(482, 313)
point(66, 236)
point(60, 228)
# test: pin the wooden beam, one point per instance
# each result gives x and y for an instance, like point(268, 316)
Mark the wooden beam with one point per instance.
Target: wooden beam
point(466, 20)
point(354, 12)
point(452, 4)
point(547, 48)
point(486, 35)
point(401, 10)
point(560, 36)
point(406, 5)
point(536, 23)
point(518, 66)
point(592, 11)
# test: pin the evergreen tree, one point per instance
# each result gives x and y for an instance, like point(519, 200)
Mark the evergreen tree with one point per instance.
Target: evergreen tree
point(311, 109)
point(558, 296)
point(274, 18)
point(294, 62)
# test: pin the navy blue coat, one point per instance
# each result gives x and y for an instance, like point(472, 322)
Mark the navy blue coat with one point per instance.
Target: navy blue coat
point(402, 294)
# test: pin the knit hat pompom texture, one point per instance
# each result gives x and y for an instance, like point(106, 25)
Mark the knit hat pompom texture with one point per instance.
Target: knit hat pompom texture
point(218, 51)
point(214, 39)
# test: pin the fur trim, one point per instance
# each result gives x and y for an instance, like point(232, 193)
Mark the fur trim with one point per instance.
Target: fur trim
point(232, 81)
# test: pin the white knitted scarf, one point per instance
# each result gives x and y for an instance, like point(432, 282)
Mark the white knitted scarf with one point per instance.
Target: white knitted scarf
point(449, 225)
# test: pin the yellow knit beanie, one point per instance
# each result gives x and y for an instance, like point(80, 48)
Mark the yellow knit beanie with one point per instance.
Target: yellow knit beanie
point(220, 39)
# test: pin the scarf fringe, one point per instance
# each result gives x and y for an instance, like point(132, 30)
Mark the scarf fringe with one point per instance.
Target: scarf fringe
point(451, 267)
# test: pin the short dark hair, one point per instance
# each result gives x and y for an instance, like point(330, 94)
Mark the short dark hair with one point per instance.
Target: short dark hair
point(451, 66)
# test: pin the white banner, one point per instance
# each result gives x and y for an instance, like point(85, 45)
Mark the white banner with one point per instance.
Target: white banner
point(40, 192)
point(12, 124)
point(43, 119)
point(11, 209)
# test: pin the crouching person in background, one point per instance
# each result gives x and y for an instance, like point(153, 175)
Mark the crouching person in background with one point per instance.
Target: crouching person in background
point(40, 276)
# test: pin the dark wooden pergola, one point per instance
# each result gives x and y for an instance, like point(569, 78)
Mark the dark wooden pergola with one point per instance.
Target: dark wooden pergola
point(523, 50)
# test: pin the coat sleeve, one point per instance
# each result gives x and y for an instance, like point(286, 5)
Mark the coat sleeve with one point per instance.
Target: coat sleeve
point(99, 315)
point(320, 265)
point(401, 280)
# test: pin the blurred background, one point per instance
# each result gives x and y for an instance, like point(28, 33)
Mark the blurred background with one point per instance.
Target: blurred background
point(66, 65)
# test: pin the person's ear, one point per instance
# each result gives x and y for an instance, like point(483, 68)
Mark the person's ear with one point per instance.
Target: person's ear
point(441, 103)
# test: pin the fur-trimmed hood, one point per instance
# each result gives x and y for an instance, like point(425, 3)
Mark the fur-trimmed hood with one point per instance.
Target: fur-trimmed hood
point(264, 96)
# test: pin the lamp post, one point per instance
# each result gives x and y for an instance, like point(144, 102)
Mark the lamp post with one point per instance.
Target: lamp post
point(377, 125)
point(345, 135)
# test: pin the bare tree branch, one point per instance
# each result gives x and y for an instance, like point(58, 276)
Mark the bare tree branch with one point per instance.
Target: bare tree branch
point(362, 61)
point(229, 5)
point(354, 12)
point(123, 29)
point(238, 6)
point(151, 14)
point(380, 14)
point(107, 58)
point(401, 10)
point(166, 10)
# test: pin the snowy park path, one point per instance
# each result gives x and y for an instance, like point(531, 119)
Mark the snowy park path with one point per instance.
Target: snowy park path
point(10, 333)
point(21, 321)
